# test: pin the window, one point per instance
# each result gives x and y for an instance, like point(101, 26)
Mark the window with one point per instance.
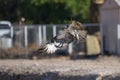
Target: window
point(4, 26)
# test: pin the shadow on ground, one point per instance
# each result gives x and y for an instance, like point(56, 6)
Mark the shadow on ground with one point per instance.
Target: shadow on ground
point(89, 57)
point(52, 76)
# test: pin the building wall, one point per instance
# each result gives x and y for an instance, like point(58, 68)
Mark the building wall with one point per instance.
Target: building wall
point(109, 4)
point(118, 36)
point(109, 19)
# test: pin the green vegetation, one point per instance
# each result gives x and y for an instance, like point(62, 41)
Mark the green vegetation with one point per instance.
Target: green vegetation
point(45, 11)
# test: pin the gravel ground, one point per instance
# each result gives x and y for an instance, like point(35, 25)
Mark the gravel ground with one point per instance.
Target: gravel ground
point(61, 68)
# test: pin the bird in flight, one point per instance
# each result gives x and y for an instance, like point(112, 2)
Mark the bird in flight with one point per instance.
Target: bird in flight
point(73, 31)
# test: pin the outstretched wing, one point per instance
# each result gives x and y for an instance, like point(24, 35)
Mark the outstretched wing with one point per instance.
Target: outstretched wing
point(73, 32)
point(57, 42)
point(48, 48)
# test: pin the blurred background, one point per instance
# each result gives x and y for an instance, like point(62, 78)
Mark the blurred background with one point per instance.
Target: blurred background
point(48, 11)
point(27, 24)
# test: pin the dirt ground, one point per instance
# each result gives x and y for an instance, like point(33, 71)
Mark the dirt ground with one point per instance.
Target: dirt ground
point(61, 68)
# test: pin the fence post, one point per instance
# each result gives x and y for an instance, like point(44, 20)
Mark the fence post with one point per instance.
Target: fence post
point(11, 32)
point(44, 33)
point(25, 36)
point(40, 35)
point(101, 33)
point(0, 42)
point(118, 39)
point(54, 30)
point(70, 48)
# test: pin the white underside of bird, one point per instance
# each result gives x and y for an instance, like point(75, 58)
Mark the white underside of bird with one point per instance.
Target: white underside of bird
point(51, 48)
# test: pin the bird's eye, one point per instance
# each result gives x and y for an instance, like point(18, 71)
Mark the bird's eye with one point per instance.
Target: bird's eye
point(66, 26)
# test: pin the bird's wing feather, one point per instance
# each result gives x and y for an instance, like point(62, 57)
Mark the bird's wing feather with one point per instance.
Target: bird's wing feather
point(59, 42)
point(67, 36)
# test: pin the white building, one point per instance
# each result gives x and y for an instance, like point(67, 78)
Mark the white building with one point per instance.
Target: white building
point(110, 29)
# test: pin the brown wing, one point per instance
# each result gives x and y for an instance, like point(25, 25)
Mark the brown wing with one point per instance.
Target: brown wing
point(77, 25)
point(74, 31)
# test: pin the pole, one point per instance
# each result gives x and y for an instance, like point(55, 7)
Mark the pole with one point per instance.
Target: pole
point(40, 35)
point(25, 37)
point(54, 30)
point(44, 33)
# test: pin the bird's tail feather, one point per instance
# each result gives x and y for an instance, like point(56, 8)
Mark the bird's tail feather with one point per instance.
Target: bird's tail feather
point(42, 50)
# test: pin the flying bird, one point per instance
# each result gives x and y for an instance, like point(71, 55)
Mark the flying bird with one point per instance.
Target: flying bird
point(73, 31)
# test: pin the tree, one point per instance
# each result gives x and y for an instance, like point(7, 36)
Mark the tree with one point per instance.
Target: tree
point(94, 12)
point(9, 9)
point(45, 11)
point(55, 11)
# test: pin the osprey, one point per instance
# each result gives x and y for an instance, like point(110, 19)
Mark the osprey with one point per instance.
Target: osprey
point(74, 31)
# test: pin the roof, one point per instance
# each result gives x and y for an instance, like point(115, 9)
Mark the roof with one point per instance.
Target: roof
point(118, 2)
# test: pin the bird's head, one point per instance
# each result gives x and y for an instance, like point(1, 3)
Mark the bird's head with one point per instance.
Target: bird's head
point(76, 25)
point(77, 30)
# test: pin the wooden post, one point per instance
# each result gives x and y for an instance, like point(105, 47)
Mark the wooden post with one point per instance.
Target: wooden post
point(54, 30)
point(40, 35)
